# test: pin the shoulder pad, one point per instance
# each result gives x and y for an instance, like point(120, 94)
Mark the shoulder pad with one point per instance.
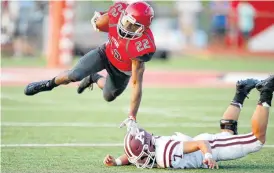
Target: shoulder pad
point(115, 11)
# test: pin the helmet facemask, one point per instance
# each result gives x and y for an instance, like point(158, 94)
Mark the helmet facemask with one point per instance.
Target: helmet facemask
point(128, 28)
point(146, 159)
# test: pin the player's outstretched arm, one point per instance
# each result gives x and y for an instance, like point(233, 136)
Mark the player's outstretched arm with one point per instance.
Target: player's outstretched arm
point(138, 69)
point(120, 161)
point(192, 146)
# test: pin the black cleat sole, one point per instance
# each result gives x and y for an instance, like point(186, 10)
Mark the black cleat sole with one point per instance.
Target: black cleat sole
point(36, 87)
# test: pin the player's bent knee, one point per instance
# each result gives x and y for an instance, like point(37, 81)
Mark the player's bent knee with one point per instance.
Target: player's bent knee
point(75, 75)
point(109, 97)
point(257, 146)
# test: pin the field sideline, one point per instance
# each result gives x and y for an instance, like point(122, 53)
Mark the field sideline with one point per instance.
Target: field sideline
point(63, 132)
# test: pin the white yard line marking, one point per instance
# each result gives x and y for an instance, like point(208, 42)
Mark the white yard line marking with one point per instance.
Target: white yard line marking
point(268, 146)
point(78, 145)
point(106, 108)
point(111, 125)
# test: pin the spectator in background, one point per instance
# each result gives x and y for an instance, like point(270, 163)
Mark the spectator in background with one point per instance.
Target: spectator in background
point(25, 12)
point(246, 15)
point(219, 11)
point(188, 12)
point(7, 22)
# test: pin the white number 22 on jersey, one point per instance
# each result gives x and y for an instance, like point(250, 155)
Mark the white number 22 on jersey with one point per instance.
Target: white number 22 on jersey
point(116, 10)
point(140, 137)
point(141, 45)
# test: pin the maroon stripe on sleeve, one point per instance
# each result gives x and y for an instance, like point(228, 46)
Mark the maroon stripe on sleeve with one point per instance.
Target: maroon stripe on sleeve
point(167, 144)
point(170, 152)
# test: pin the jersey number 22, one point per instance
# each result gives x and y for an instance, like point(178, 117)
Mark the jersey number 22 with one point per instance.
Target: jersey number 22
point(142, 45)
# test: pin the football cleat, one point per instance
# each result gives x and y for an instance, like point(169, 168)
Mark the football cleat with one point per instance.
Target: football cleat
point(87, 82)
point(36, 87)
point(267, 84)
point(245, 86)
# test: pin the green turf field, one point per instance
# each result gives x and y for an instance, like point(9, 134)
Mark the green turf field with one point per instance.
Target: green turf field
point(220, 63)
point(63, 116)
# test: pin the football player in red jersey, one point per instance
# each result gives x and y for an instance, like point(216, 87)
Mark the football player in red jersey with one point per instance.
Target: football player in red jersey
point(130, 44)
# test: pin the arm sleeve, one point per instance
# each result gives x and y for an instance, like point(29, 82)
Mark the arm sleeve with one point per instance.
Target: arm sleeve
point(145, 57)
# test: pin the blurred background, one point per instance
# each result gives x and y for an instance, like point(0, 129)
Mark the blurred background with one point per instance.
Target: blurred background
point(180, 28)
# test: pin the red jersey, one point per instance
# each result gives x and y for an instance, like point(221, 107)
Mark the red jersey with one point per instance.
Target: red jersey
point(121, 51)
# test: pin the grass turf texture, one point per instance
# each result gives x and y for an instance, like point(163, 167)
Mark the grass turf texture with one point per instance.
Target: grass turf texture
point(185, 63)
point(173, 108)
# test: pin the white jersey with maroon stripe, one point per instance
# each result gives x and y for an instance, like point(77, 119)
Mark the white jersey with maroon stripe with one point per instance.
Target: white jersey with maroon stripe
point(169, 149)
point(169, 153)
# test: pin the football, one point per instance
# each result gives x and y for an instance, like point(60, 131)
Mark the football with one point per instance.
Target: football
point(102, 23)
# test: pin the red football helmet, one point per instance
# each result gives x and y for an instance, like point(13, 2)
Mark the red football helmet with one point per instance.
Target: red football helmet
point(139, 146)
point(135, 19)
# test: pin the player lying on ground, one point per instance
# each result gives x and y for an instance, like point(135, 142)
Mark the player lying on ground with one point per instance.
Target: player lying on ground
point(130, 44)
point(205, 150)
